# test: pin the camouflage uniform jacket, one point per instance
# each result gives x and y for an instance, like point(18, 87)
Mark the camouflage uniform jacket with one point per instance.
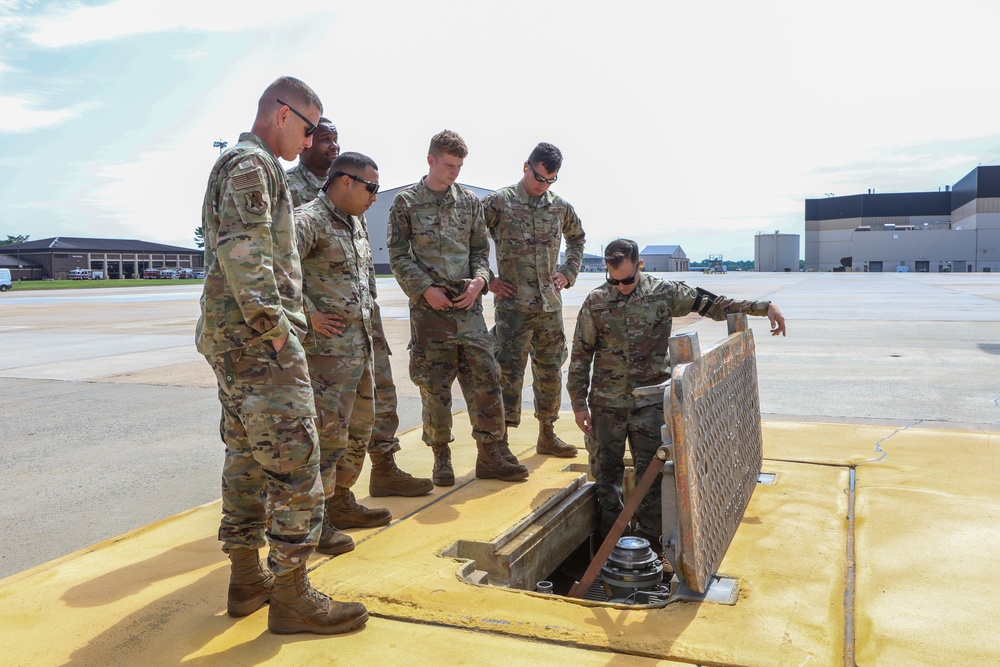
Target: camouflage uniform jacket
point(527, 237)
point(304, 184)
point(253, 279)
point(432, 244)
point(625, 336)
point(339, 275)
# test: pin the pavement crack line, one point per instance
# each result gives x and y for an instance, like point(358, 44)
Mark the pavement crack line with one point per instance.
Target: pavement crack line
point(850, 580)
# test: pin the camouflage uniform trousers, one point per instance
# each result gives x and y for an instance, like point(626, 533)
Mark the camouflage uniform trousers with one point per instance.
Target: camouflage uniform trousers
point(344, 415)
point(270, 478)
point(383, 440)
point(518, 335)
point(445, 345)
point(606, 447)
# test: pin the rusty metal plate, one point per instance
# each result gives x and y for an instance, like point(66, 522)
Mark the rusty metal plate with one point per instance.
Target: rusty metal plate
point(715, 416)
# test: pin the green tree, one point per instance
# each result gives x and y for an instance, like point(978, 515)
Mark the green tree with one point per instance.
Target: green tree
point(199, 237)
point(15, 239)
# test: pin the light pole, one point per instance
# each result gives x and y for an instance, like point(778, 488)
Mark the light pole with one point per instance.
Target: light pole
point(221, 145)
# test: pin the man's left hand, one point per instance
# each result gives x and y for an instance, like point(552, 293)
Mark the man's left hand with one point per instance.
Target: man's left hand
point(561, 282)
point(777, 320)
point(502, 288)
point(468, 298)
point(328, 324)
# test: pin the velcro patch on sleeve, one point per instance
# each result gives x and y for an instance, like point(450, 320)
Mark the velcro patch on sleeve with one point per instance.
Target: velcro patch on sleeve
point(247, 179)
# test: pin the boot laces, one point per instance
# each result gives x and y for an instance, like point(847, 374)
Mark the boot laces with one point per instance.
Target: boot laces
point(312, 594)
point(442, 455)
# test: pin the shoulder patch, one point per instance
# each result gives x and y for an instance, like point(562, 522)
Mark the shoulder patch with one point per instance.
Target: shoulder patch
point(247, 179)
point(255, 202)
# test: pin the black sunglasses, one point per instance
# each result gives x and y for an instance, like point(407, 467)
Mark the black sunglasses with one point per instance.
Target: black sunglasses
point(372, 188)
point(540, 178)
point(623, 281)
point(310, 126)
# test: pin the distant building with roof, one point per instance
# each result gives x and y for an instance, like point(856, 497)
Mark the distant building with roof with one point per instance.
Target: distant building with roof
point(775, 252)
point(117, 258)
point(957, 229)
point(590, 264)
point(664, 258)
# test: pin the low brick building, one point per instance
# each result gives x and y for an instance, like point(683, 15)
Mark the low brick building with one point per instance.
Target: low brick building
point(116, 258)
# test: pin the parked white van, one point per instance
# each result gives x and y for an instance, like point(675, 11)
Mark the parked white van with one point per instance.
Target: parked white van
point(79, 274)
point(4, 280)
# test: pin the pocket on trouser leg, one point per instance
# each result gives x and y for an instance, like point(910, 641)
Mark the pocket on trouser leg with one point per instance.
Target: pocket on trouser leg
point(590, 442)
point(420, 372)
point(283, 444)
point(292, 523)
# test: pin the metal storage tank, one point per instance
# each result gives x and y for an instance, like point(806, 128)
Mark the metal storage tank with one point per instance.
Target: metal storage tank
point(776, 252)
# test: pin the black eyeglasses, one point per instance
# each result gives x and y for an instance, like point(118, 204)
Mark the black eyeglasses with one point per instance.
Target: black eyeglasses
point(623, 281)
point(310, 126)
point(372, 188)
point(540, 178)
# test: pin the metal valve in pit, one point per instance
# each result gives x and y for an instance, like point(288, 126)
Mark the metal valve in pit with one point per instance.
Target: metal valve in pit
point(633, 574)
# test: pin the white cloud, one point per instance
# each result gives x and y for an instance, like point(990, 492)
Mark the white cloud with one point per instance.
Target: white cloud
point(19, 114)
point(123, 18)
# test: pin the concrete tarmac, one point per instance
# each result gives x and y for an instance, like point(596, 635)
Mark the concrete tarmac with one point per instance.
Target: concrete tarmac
point(109, 415)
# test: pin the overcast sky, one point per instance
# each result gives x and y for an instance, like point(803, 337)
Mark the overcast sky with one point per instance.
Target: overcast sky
point(690, 123)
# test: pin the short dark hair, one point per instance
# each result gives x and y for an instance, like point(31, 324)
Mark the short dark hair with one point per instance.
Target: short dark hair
point(351, 163)
point(548, 155)
point(448, 142)
point(292, 91)
point(619, 250)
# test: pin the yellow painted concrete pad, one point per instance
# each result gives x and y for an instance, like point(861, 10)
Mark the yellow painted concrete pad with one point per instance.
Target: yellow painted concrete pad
point(157, 595)
point(833, 444)
point(928, 539)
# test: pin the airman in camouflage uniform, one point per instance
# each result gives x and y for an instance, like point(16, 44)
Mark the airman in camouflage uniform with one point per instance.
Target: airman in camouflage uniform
point(249, 329)
point(306, 179)
point(527, 221)
point(623, 329)
point(386, 478)
point(439, 253)
point(338, 279)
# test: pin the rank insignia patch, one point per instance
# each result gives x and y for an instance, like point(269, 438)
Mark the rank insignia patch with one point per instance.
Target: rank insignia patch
point(255, 202)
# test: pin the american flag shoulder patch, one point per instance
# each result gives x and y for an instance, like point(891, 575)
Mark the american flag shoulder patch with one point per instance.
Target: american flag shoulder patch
point(247, 179)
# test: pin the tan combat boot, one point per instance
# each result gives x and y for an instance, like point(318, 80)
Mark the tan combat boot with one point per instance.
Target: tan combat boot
point(505, 452)
point(343, 511)
point(298, 607)
point(332, 542)
point(490, 464)
point(388, 480)
point(551, 444)
point(249, 583)
point(443, 474)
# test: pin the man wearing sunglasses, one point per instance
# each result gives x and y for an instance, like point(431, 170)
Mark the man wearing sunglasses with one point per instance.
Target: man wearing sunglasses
point(439, 252)
point(386, 478)
point(307, 177)
point(339, 278)
point(528, 223)
point(251, 321)
point(622, 330)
